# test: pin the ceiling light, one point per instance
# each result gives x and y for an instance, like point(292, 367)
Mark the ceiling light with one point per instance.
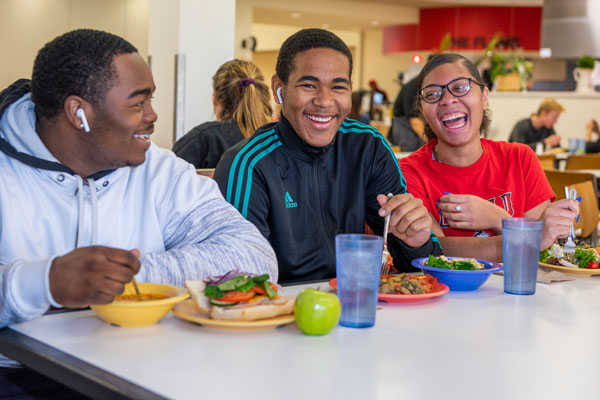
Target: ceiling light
point(375, 22)
point(295, 15)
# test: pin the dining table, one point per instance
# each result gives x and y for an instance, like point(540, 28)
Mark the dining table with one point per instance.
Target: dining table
point(482, 344)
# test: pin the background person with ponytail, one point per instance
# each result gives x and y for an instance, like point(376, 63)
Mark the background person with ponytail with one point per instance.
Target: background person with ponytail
point(241, 102)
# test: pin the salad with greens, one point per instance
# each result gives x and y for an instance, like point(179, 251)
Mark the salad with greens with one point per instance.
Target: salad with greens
point(455, 263)
point(585, 256)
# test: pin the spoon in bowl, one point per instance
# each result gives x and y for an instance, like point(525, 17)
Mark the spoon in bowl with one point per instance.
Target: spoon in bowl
point(138, 296)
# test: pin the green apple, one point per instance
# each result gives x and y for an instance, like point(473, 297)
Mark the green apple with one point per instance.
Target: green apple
point(316, 312)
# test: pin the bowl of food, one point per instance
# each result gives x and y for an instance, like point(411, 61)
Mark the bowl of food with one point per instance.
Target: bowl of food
point(460, 274)
point(406, 288)
point(155, 301)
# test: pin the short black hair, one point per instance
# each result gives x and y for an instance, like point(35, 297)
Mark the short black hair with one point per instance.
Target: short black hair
point(451, 58)
point(80, 62)
point(307, 39)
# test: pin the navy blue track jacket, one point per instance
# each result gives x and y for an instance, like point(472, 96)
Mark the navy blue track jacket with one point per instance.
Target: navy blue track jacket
point(300, 196)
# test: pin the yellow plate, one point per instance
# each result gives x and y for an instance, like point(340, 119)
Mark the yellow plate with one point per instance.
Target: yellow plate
point(187, 310)
point(570, 270)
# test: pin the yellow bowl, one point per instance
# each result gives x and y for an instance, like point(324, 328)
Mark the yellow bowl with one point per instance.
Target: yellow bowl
point(144, 312)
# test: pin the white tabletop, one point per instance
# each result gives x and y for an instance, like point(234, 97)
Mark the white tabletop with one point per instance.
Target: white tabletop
point(464, 345)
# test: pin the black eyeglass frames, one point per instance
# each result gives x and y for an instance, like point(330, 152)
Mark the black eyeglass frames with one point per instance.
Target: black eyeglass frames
point(458, 88)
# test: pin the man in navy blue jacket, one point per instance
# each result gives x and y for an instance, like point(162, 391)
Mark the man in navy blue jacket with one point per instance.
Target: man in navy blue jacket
point(315, 174)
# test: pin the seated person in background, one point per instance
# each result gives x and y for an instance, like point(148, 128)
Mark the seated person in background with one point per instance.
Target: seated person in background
point(241, 102)
point(539, 127)
point(406, 101)
point(592, 146)
point(81, 186)
point(375, 89)
point(316, 174)
point(407, 130)
point(468, 183)
point(355, 111)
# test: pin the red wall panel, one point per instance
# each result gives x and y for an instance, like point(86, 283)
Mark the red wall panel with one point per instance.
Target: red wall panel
point(471, 28)
point(399, 38)
point(528, 27)
point(483, 22)
point(437, 22)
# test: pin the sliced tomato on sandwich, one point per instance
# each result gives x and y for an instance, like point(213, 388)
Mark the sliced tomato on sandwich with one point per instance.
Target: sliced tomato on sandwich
point(235, 296)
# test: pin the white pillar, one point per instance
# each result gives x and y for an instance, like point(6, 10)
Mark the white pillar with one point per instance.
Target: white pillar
point(243, 29)
point(163, 39)
point(203, 32)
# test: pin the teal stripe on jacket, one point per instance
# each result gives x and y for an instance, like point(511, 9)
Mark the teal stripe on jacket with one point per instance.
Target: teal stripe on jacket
point(239, 155)
point(352, 126)
point(249, 176)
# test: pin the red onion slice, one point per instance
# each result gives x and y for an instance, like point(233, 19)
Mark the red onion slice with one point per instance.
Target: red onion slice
point(217, 280)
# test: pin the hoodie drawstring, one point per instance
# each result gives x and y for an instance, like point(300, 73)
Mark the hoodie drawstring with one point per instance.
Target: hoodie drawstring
point(92, 184)
point(80, 199)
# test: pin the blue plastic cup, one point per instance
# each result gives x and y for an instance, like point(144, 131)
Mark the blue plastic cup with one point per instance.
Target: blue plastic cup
point(573, 145)
point(521, 239)
point(580, 146)
point(358, 268)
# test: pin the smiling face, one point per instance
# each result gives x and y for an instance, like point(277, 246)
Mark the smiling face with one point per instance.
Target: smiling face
point(317, 95)
point(456, 121)
point(123, 122)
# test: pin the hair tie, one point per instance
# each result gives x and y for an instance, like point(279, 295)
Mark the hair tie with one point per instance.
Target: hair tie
point(245, 82)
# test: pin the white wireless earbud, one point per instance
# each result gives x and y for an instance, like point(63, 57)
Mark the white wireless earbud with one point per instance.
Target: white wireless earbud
point(279, 95)
point(84, 124)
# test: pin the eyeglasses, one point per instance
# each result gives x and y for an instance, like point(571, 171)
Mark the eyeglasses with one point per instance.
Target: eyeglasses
point(458, 88)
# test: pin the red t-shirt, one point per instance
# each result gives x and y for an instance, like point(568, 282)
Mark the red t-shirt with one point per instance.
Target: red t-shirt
point(507, 174)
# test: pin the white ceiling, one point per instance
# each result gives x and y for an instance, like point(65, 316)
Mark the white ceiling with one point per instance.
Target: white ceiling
point(357, 14)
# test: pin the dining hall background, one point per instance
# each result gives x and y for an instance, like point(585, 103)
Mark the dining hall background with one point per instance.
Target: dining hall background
point(185, 41)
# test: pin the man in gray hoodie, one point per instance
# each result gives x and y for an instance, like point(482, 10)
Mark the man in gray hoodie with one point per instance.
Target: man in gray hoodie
point(87, 201)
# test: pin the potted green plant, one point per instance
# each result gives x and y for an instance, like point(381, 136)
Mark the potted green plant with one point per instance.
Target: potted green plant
point(583, 73)
point(510, 72)
point(586, 62)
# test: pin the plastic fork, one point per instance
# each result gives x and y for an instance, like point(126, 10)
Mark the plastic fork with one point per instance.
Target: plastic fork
point(569, 246)
point(386, 253)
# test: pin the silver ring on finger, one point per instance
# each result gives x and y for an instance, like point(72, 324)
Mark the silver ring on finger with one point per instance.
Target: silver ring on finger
point(458, 208)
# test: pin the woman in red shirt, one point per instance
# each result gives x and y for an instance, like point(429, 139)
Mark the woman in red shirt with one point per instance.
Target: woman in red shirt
point(468, 183)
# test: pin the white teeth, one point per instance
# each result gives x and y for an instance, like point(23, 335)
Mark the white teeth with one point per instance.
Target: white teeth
point(319, 119)
point(143, 137)
point(452, 116)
